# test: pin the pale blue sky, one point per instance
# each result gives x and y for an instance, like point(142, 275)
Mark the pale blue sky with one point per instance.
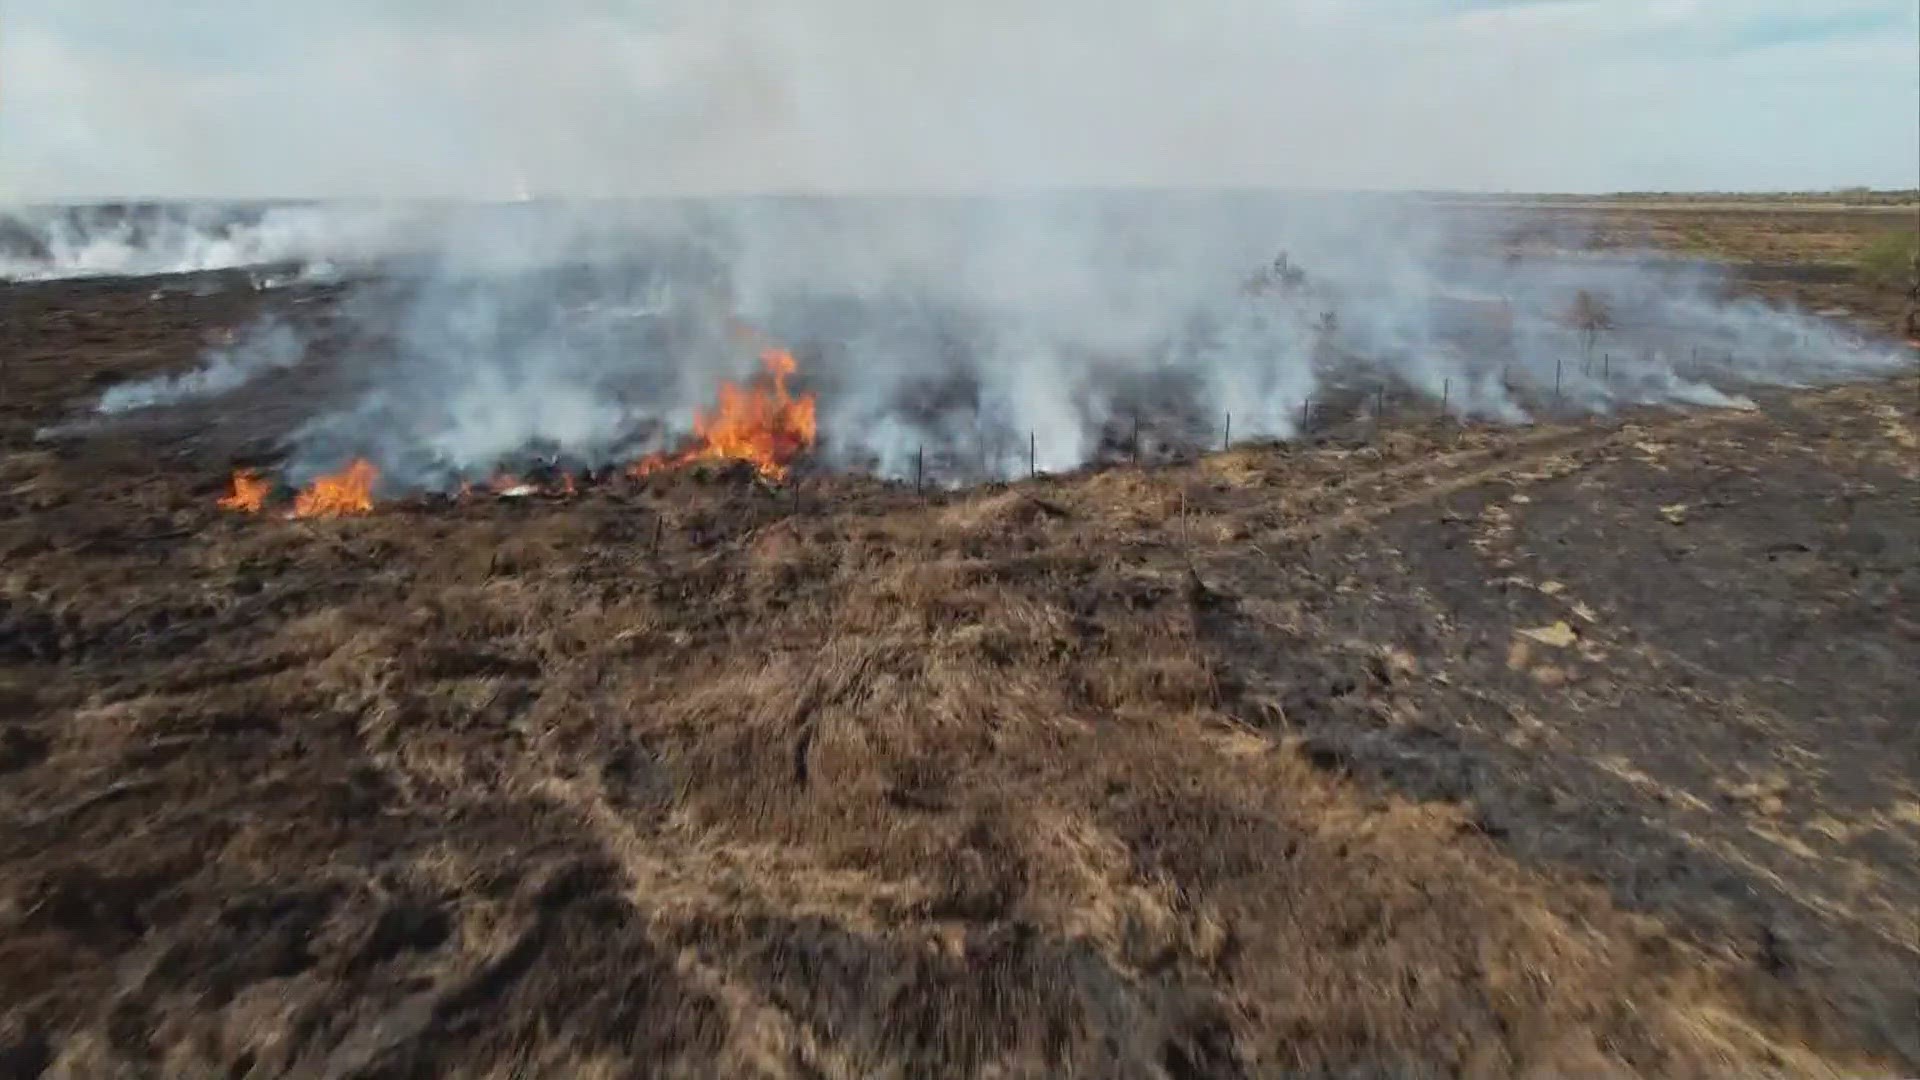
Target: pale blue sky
point(239, 97)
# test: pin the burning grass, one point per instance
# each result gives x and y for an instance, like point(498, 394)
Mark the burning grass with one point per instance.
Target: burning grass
point(995, 746)
point(347, 493)
point(1111, 774)
point(250, 492)
point(761, 423)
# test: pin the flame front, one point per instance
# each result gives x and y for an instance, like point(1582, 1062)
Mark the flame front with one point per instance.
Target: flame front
point(250, 491)
point(761, 423)
point(342, 494)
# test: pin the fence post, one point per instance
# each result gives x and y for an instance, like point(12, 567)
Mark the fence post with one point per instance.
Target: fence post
point(1380, 410)
point(1306, 413)
point(1033, 456)
point(1136, 436)
point(919, 468)
point(1556, 382)
point(1446, 391)
point(1227, 443)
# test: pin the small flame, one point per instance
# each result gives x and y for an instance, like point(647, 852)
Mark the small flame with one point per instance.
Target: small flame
point(343, 494)
point(250, 491)
point(761, 423)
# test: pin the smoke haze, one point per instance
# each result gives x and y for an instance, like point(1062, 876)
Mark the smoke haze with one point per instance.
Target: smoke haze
point(972, 331)
point(221, 98)
point(1101, 276)
point(39, 243)
point(268, 346)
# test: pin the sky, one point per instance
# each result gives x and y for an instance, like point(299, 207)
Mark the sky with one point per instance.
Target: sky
point(492, 98)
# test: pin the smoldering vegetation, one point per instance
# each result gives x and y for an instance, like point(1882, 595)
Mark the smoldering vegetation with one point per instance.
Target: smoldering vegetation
point(87, 240)
point(266, 347)
point(976, 338)
point(1566, 752)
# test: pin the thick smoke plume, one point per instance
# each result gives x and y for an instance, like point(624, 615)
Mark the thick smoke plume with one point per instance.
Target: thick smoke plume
point(966, 329)
point(957, 330)
point(47, 243)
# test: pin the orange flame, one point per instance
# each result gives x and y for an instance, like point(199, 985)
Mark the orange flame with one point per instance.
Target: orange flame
point(342, 494)
point(250, 491)
point(761, 423)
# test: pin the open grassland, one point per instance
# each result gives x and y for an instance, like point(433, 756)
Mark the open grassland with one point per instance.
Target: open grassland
point(1585, 749)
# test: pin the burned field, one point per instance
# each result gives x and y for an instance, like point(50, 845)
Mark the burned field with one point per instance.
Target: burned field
point(1409, 748)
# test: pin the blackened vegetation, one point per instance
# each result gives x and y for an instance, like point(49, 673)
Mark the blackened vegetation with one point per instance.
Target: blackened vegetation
point(1412, 750)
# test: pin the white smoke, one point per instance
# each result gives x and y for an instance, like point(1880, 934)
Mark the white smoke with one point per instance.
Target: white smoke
point(267, 347)
point(970, 332)
point(40, 243)
point(967, 330)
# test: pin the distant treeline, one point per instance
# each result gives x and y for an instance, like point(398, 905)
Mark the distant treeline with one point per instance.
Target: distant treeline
point(1844, 196)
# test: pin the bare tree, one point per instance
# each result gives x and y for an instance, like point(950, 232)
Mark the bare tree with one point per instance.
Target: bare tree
point(1288, 274)
point(1591, 316)
point(1283, 276)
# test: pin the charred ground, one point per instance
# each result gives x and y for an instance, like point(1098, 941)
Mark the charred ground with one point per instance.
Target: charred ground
point(1587, 748)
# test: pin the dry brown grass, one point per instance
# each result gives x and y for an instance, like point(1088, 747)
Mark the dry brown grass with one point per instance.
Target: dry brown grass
point(1196, 771)
point(920, 724)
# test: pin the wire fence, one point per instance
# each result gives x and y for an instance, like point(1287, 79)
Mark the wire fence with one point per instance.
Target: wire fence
point(1355, 411)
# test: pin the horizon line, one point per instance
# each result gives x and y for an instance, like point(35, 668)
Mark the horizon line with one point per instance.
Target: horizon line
point(1855, 193)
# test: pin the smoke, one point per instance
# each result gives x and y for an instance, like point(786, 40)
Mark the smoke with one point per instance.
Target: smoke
point(596, 98)
point(266, 347)
point(970, 332)
point(1045, 314)
point(42, 243)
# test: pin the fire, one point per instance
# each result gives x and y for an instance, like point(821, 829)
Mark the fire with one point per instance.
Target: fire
point(509, 485)
point(760, 423)
point(250, 491)
point(342, 494)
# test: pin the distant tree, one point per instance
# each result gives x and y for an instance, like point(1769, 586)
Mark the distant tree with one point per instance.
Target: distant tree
point(1283, 276)
point(1329, 322)
point(1591, 316)
point(1290, 277)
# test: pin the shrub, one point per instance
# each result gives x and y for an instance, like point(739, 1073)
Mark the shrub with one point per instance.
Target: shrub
point(1888, 259)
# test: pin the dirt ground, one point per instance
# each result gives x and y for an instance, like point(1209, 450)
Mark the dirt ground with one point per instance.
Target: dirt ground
point(1587, 749)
